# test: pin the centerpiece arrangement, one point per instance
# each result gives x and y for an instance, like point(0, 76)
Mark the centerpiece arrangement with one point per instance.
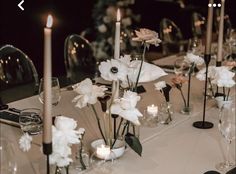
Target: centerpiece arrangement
point(126, 73)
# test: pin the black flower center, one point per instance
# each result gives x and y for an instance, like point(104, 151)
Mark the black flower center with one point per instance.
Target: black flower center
point(114, 70)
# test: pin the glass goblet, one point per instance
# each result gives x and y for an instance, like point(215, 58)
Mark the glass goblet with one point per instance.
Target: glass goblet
point(56, 95)
point(227, 129)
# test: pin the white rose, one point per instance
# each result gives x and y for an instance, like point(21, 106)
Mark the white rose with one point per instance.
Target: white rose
point(191, 58)
point(65, 123)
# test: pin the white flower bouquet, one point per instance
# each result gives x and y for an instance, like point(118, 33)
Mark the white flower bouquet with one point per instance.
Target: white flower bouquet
point(64, 135)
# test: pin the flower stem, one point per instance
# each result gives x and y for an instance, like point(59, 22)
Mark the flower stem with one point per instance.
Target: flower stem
point(117, 133)
point(139, 72)
point(224, 92)
point(228, 94)
point(181, 92)
point(80, 156)
point(99, 124)
point(211, 87)
point(189, 84)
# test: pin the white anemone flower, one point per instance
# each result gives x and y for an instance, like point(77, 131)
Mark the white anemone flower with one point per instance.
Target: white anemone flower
point(147, 36)
point(192, 58)
point(160, 85)
point(113, 70)
point(125, 107)
point(25, 142)
point(88, 93)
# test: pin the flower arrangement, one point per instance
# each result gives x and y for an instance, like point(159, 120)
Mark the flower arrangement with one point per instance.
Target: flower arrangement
point(104, 15)
point(124, 107)
point(165, 90)
point(178, 82)
point(64, 134)
point(222, 77)
point(194, 61)
point(146, 37)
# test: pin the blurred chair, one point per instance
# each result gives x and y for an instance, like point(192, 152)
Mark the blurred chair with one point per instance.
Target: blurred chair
point(18, 76)
point(79, 60)
point(172, 38)
point(198, 25)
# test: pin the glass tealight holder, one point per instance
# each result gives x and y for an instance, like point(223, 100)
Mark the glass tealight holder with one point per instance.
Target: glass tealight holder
point(102, 159)
point(149, 119)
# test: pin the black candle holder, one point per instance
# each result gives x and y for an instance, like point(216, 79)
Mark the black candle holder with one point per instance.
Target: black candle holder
point(204, 124)
point(47, 150)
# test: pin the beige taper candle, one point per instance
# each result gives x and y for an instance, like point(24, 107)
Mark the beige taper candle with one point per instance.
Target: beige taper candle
point(47, 76)
point(221, 32)
point(209, 28)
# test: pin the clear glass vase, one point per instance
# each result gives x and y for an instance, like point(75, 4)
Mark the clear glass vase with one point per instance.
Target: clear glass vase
point(166, 112)
point(62, 170)
point(82, 159)
point(186, 110)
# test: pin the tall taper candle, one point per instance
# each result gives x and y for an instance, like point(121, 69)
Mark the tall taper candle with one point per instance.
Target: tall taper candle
point(47, 75)
point(221, 33)
point(117, 37)
point(209, 28)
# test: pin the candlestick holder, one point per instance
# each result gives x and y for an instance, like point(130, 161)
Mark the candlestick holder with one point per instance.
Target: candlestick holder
point(47, 150)
point(204, 124)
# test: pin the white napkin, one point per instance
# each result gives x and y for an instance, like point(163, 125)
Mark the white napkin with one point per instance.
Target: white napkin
point(149, 71)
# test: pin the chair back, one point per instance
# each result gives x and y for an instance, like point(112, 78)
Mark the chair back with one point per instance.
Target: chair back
point(17, 70)
point(79, 60)
point(198, 25)
point(171, 37)
point(169, 31)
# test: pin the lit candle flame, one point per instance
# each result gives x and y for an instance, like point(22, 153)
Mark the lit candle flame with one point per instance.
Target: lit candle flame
point(49, 21)
point(118, 16)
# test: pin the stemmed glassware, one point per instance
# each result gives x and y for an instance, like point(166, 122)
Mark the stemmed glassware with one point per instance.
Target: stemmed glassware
point(227, 129)
point(56, 94)
point(8, 164)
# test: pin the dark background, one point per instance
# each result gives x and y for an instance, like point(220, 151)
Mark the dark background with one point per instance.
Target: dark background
point(24, 29)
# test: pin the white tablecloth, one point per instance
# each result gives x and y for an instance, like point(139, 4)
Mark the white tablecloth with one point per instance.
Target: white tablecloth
point(177, 148)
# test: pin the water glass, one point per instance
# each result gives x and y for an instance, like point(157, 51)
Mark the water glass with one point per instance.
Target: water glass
point(56, 95)
point(31, 121)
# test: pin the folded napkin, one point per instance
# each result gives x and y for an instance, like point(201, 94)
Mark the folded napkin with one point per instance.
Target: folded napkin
point(148, 73)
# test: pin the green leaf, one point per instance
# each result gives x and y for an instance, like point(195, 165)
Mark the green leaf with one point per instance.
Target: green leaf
point(134, 143)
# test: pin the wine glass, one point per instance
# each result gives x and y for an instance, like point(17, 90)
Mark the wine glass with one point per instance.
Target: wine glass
point(227, 129)
point(7, 156)
point(56, 95)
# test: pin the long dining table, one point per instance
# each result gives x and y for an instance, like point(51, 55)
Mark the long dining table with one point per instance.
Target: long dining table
point(176, 148)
